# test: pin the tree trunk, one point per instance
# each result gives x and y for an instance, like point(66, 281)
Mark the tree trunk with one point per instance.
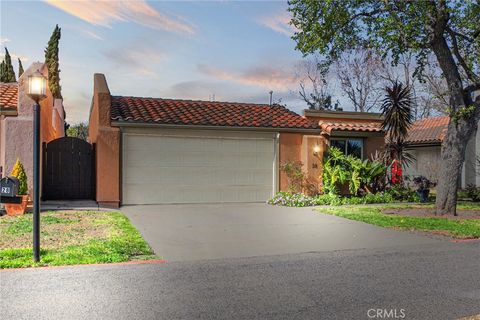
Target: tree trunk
point(451, 161)
point(459, 132)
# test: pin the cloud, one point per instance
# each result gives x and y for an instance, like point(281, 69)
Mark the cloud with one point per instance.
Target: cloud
point(4, 40)
point(278, 23)
point(92, 34)
point(142, 60)
point(105, 13)
point(265, 76)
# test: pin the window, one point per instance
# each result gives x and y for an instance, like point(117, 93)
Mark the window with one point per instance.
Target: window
point(349, 146)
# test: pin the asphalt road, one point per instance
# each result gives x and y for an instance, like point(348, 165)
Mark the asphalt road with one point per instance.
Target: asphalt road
point(427, 281)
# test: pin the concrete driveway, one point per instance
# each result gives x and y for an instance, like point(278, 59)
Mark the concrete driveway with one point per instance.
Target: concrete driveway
point(215, 231)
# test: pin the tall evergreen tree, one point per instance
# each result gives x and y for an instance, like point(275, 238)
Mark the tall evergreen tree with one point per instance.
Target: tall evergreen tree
point(8, 74)
point(51, 60)
point(20, 68)
point(2, 71)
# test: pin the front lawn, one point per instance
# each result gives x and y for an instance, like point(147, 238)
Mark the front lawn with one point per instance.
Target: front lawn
point(71, 237)
point(404, 217)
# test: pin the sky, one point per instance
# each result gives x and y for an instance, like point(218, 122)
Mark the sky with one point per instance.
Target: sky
point(237, 51)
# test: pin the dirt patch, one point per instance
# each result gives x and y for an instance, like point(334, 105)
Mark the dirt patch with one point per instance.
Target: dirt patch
point(58, 229)
point(430, 212)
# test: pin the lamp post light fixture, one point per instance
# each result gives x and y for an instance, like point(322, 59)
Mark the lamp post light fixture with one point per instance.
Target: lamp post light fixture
point(37, 86)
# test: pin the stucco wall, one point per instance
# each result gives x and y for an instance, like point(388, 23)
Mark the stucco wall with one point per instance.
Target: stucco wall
point(372, 145)
point(107, 145)
point(17, 131)
point(426, 162)
point(300, 147)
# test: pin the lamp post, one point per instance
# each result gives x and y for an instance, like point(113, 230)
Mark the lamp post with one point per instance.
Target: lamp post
point(37, 85)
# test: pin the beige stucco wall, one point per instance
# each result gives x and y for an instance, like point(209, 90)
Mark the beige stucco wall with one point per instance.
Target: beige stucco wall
point(426, 162)
point(107, 145)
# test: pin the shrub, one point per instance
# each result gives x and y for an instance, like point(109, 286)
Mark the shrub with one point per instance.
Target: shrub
point(362, 176)
point(297, 180)
point(473, 192)
point(19, 173)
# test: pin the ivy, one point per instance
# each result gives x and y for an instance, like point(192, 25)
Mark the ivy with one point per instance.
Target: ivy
point(463, 113)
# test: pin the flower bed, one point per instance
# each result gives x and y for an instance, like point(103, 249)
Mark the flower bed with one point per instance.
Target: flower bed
point(300, 200)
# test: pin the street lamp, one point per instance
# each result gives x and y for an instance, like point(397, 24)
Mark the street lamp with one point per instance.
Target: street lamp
point(37, 86)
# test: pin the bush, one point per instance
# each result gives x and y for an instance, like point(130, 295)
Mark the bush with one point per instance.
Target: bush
point(19, 173)
point(361, 176)
point(297, 180)
point(473, 192)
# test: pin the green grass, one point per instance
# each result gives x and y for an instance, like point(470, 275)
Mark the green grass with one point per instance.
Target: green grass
point(72, 238)
point(461, 228)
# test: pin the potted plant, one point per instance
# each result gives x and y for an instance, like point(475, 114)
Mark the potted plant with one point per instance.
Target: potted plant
point(423, 187)
point(14, 209)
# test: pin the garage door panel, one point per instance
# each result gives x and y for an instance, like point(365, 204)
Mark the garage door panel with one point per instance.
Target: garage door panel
point(159, 169)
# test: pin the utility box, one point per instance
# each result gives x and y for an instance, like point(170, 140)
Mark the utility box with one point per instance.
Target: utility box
point(9, 187)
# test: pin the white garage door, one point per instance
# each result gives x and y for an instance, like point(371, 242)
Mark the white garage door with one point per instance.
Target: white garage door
point(180, 169)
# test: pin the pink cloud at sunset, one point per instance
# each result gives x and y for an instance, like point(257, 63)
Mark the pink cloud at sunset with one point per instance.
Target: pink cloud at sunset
point(105, 13)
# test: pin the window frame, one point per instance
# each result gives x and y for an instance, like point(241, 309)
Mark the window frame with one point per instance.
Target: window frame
point(346, 145)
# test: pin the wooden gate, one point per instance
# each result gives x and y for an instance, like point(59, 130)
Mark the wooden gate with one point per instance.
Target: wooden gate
point(68, 169)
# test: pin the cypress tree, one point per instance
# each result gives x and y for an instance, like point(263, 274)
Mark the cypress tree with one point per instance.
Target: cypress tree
point(9, 73)
point(20, 67)
point(51, 60)
point(2, 71)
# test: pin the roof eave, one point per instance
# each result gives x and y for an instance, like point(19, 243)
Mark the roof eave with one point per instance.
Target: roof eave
point(8, 112)
point(116, 123)
point(355, 133)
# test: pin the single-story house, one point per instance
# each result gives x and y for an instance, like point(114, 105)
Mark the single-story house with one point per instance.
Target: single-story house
point(425, 139)
point(16, 122)
point(154, 151)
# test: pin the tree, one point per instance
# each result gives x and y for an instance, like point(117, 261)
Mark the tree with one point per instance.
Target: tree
point(358, 72)
point(20, 68)
point(314, 89)
point(447, 29)
point(79, 130)
point(7, 74)
point(51, 60)
point(397, 120)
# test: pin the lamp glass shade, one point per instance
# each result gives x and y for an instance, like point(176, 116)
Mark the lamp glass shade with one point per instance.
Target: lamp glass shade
point(37, 86)
point(316, 149)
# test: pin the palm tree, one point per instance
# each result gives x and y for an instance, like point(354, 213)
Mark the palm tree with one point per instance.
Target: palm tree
point(397, 118)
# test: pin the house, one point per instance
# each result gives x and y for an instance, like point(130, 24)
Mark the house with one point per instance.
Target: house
point(16, 122)
point(154, 151)
point(425, 139)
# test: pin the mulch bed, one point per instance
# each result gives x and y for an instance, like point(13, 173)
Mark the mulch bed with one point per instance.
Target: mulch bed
point(430, 212)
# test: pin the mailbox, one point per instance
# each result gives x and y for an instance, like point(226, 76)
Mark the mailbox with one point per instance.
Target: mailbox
point(9, 187)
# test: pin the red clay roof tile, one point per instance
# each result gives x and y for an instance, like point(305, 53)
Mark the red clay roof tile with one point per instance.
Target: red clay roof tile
point(329, 126)
point(8, 96)
point(205, 113)
point(429, 130)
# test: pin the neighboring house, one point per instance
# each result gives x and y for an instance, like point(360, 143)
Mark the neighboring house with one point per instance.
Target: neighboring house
point(16, 122)
point(153, 151)
point(425, 142)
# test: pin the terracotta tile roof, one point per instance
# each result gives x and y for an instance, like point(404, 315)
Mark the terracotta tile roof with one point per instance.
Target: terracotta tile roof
point(336, 125)
point(205, 113)
point(8, 96)
point(429, 130)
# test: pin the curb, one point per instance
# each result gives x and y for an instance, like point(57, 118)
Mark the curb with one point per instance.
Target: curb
point(140, 262)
